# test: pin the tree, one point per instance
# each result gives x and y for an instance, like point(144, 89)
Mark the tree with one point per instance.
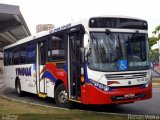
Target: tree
point(155, 37)
point(154, 54)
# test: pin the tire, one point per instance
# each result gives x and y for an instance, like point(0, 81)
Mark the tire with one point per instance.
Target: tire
point(61, 97)
point(18, 88)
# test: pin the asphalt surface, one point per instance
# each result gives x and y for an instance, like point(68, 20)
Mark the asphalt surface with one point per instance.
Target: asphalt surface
point(155, 73)
point(145, 107)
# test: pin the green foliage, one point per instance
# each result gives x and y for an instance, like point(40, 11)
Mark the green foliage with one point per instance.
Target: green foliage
point(154, 55)
point(155, 37)
point(152, 41)
point(156, 31)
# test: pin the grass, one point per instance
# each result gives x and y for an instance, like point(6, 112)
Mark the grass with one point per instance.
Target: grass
point(32, 112)
point(156, 81)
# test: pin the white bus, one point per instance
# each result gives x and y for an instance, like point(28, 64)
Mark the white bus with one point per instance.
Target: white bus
point(102, 60)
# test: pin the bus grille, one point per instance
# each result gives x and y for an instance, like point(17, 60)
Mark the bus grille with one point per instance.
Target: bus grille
point(126, 76)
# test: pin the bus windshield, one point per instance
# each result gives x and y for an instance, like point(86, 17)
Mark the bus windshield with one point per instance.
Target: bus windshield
point(109, 50)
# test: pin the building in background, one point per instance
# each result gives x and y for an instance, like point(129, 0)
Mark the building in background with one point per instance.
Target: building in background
point(44, 27)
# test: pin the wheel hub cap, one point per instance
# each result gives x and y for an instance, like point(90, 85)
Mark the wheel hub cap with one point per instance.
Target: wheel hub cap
point(63, 98)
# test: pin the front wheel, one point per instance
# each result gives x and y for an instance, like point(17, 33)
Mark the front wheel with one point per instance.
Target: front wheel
point(61, 97)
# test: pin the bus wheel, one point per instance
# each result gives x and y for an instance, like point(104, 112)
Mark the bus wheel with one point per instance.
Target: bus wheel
point(18, 88)
point(61, 97)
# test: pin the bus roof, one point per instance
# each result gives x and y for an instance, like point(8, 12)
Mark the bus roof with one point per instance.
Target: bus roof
point(81, 21)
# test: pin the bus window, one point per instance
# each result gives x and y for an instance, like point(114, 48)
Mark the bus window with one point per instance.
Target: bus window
point(42, 54)
point(31, 53)
point(57, 49)
point(16, 55)
point(5, 57)
point(23, 54)
point(10, 57)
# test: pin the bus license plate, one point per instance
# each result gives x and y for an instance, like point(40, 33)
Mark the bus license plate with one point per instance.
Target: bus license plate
point(129, 95)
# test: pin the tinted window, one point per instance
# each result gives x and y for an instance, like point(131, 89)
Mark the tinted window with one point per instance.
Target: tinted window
point(42, 54)
point(10, 57)
point(23, 54)
point(122, 23)
point(56, 51)
point(31, 50)
point(5, 57)
point(16, 55)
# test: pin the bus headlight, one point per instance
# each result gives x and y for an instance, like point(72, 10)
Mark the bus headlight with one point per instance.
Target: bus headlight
point(106, 88)
point(100, 86)
point(149, 80)
point(96, 84)
point(147, 84)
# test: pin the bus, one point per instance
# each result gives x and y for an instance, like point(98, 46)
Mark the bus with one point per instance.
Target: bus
point(100, 60)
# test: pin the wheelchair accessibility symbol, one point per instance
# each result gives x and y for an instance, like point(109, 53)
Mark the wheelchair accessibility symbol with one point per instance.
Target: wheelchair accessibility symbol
point(122, 64)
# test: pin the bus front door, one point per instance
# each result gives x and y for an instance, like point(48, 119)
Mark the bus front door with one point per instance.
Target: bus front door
point(74, 65)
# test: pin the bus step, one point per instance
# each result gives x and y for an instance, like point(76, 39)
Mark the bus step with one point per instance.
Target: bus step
point(42, 95)
point(73, 98)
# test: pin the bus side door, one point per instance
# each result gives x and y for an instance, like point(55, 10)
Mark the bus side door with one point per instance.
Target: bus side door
point(41, 64)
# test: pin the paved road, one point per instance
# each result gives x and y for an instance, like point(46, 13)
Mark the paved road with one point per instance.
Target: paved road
point(155, 73)
point(1, 80)
point(151, 106)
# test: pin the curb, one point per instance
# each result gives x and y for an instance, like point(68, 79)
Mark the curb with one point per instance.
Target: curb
point(2, 96)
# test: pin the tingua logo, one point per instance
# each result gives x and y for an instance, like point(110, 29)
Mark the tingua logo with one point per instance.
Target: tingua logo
point(23, 71)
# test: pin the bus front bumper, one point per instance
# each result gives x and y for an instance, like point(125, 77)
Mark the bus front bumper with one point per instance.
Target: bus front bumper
point(92, 95)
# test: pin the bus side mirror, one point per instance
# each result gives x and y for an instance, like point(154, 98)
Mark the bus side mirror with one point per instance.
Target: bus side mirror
point(87, 52)
point(82, 49)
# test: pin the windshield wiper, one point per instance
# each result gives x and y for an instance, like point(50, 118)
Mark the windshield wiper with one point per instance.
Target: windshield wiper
point(117, 41)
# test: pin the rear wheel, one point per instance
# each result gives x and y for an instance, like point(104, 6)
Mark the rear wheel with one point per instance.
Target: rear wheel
point(18, 88)
point(61, 97)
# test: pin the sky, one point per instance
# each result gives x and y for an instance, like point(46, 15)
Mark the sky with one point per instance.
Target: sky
point(60, 12)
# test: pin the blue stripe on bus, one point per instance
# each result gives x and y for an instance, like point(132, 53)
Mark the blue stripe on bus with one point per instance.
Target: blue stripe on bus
point(86, 74)
point(49, 75)
point(65, 67)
